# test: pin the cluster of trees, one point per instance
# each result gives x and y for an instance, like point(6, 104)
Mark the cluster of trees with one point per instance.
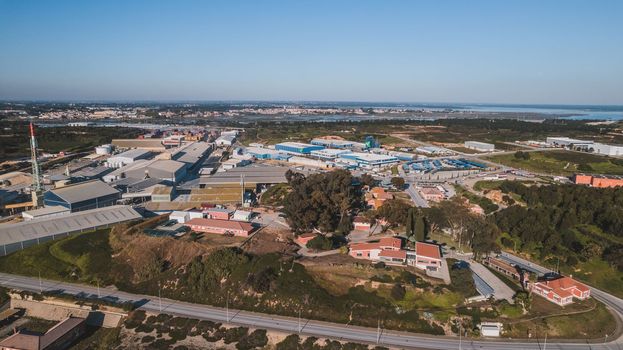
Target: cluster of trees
point(563, 220)
point(477, 232)
point(321, 201)
point(522, 155)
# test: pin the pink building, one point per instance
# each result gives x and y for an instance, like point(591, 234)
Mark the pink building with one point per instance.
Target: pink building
point(218, 213)
point(562, 290)
point(432, 194)
point(371, 251)
point(393, 256)
point(361, 224)
point(222, 227)
point(428, 256)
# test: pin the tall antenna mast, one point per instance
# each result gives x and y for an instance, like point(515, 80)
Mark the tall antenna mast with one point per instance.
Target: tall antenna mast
point(37, 188)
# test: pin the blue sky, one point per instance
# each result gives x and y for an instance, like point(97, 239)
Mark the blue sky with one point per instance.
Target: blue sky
point(568, 52)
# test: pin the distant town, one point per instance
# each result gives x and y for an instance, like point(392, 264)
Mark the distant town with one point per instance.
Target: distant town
point(421, 222)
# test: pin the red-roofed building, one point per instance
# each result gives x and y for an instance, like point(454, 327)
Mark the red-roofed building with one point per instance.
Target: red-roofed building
point(428, 256)
point(393, 256)
point(371, 251)
point(223, 227)
point(361, 224)
point(304, 238)
point(562, 290)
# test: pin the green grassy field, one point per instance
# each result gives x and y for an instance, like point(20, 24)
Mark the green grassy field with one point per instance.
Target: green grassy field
point(85, 257)
point(565, 163)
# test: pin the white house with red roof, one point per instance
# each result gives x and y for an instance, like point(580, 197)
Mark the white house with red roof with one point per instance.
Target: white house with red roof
point(562, 290)
point(427, 256)
point(371, 251)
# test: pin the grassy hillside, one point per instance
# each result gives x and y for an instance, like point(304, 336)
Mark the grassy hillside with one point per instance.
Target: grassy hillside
point(563, 163)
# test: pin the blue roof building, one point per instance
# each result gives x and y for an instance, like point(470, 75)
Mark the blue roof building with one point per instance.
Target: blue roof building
point(297, 147)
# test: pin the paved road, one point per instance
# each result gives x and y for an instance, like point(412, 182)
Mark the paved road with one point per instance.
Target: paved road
point(306, 327)
point(500, 289)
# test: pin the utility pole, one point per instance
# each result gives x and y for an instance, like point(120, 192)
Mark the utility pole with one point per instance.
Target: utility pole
point(159, 298)
point(300, 329)
point(40, 285)
point(37, 187)
point(98, 289)
point(227, 308)
point(460, 336)
point(545, 343)
point(378, 331)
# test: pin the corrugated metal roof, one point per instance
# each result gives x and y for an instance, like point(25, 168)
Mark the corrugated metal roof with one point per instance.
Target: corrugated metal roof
point(84, 191)
point(44, 227)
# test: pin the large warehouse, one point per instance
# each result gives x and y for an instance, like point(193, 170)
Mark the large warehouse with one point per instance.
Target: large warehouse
point(14, 237)
point(164, 169)
point(82, 196)
point(297, 147)
point(480, 146)
point(369, 160)
point(127, 157)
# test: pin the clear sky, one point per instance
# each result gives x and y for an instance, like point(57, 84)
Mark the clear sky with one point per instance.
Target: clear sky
point(568, 52)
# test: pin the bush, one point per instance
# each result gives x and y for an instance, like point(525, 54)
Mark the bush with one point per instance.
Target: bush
point(178, 334)
point(235, 334)
point(290, 342)
point(320, 243)
point(148, 339)
point(256, 339)
point(398, 292)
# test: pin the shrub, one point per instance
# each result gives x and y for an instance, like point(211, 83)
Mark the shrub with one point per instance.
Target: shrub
point(235, 334)
point(398, 291)
point(254, 340)
point(147, 339)
point(290, 342)
point(320, 243)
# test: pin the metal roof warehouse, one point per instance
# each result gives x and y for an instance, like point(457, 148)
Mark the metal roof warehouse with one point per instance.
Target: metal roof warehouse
point(18, 236)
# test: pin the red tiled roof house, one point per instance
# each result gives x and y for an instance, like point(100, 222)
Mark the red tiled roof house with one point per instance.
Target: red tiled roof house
point(428, 256)
point(561, 291)
point(371, 251)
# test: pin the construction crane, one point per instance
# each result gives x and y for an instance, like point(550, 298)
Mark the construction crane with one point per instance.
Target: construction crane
point(37, 187)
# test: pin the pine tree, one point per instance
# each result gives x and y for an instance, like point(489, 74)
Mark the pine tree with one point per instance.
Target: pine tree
point(420, 228)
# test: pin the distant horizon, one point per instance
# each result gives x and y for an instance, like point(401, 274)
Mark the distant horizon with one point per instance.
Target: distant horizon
point(486, 52)
point(319, 102)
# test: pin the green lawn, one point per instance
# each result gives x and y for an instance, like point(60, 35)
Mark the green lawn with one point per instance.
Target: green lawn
point(84, 257)
point(560, 162)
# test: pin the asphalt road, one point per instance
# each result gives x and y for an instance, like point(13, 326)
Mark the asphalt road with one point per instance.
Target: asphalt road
point(307, 327)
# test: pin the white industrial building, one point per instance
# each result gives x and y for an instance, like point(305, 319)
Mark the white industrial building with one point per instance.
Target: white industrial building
point(45, 212)
point(328, 153)
point(242, 215)
point(164, 169)
point(309, 162)
point(567, 142)
point(480, 146)
point(127, 157)
point(103, 149)
point(608, 150)
point(14, 237)
point(225, 140)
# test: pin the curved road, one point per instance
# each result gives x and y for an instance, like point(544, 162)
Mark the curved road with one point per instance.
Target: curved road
point(309, 327)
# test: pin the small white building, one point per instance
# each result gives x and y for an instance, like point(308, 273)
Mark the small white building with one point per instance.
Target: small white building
point(225, 140)
point(103, 149)
point(179, 216)
point(480, 146)
point(242, 215)
point(490, 329)
point(45, 212)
